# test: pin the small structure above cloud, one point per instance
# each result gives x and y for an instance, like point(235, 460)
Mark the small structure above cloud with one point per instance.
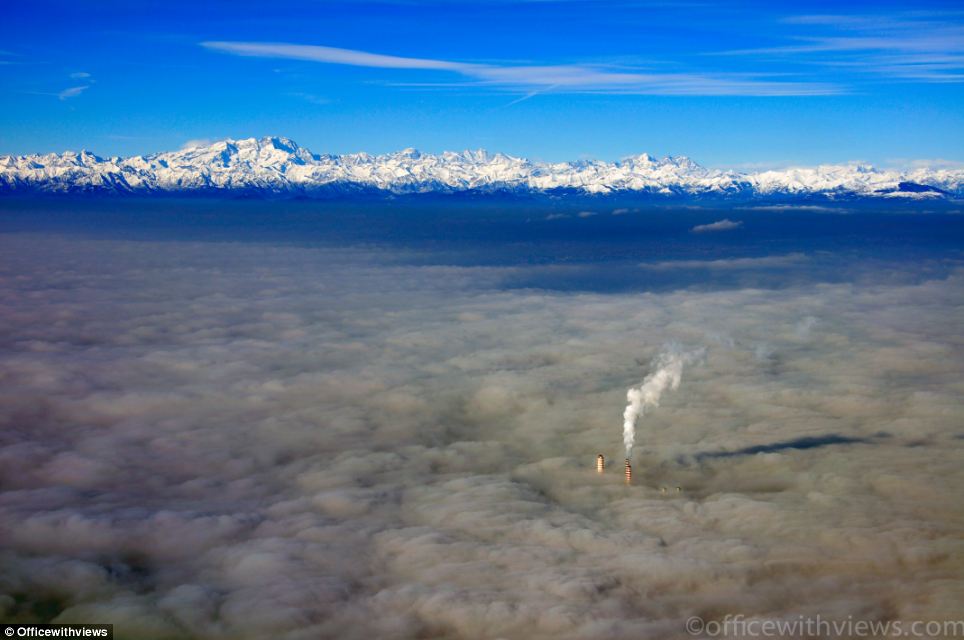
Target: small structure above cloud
point(720, 225)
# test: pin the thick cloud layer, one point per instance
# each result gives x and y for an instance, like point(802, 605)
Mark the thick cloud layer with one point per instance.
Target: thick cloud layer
point(221, 440)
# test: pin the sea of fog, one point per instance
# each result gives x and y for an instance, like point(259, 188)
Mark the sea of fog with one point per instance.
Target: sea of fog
point(305, 420)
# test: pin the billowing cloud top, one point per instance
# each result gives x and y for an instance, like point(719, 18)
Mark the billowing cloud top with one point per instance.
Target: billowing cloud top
point(251, 440)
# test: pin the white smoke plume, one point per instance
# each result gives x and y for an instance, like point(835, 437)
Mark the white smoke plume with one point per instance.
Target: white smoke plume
point(667, 375)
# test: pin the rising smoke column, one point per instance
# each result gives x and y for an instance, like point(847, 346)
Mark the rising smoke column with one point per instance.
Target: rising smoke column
point(667, 375)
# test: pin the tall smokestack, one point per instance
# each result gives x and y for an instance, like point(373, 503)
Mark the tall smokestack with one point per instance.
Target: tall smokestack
point(629, 472)
point(600, 463)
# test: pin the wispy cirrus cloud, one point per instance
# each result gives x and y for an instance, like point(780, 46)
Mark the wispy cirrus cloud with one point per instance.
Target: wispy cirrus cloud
point(311, 97)
point(925, 47)
point(534, 79)
point(72, 92)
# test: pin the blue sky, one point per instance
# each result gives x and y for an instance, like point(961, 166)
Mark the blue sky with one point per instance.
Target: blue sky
point(736, 84)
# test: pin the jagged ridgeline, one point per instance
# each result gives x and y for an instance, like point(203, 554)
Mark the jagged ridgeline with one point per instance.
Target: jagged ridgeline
point(279, 167)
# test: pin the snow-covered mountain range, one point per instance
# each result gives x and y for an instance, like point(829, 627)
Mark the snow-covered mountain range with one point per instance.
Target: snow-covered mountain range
point(278, 166)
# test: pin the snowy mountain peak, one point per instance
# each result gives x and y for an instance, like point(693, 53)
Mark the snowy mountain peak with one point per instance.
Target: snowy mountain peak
point(643, 158)
point(278, 165)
